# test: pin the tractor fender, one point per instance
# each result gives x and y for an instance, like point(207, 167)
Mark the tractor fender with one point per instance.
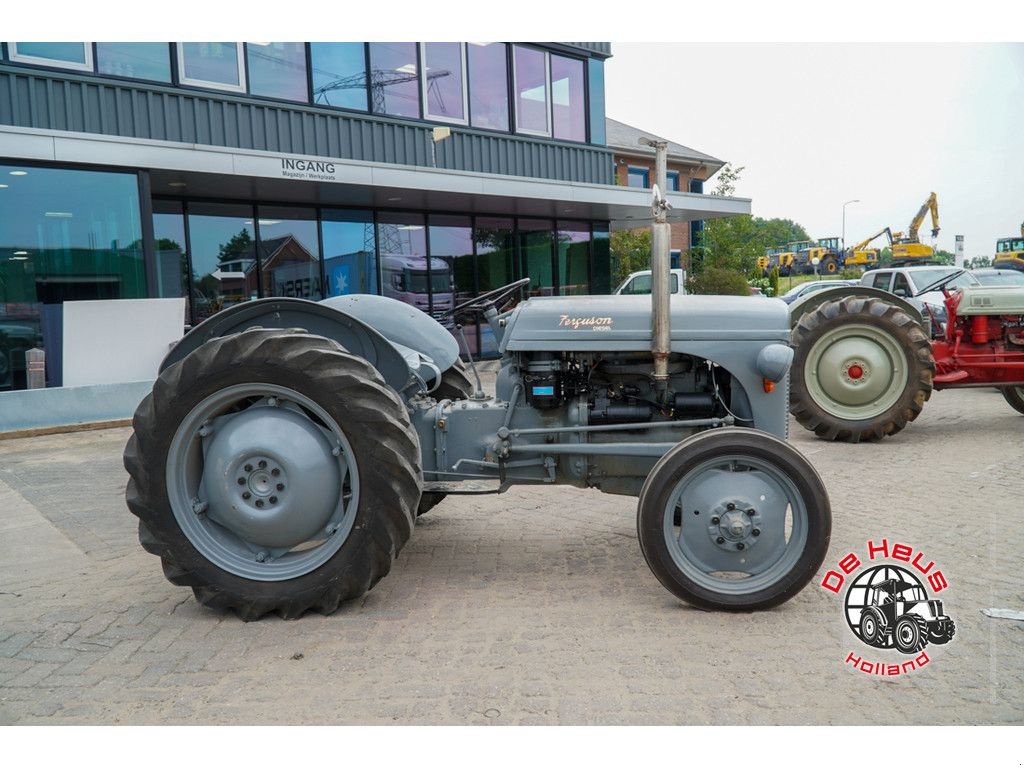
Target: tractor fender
point(809, 303)
point(355, 335)
point(401, 324)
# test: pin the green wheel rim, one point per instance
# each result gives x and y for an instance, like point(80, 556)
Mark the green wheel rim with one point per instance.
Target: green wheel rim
point(856, 372)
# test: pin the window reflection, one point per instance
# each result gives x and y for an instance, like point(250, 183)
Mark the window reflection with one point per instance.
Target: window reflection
point(171, 259)
point(451, 278)
point(568, 105)
point(404, 269)
point(289, 253)
point(145, 61)
point(211, 64)
point(531, 91)
point(573, 258)
point(277, 70)
point(394, 79)
point(223, 250)
point(535, 250)
point(350, 248)
point(445, 81)
point(495, 247)
point(65, 235)
point(339, 74)
point(488, 85)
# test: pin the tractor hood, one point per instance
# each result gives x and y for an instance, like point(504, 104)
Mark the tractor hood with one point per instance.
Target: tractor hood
point(597, 323)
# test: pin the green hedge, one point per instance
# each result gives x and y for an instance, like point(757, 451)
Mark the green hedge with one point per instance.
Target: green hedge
point(719, 282)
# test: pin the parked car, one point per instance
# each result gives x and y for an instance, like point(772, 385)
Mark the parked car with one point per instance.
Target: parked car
point(911, 282)
point(639, 283)
point(998, 276)
point(799, 291)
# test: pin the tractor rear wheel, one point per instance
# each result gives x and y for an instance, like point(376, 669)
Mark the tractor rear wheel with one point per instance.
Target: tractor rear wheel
point(753, 526)
point(1015, 397)
point(272, 471)
point(455, 385)
point(910, 633)
point(862, 370)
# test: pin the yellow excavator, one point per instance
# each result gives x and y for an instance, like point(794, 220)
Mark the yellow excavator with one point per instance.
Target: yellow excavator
point(1010, 252)
point(863, 257)
point(908, 249)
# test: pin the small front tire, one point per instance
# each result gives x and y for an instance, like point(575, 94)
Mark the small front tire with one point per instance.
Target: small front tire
point(1015, 397)
point(754, 522)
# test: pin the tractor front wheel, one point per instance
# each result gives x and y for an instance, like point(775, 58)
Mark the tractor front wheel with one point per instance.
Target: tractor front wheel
point(862, 370)
point(734, 519)
point(1015, 397)
point(941, 636)
point(910, 633)
point(271, 471)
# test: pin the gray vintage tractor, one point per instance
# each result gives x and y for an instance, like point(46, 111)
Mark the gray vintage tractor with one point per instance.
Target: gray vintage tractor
point(287, 446)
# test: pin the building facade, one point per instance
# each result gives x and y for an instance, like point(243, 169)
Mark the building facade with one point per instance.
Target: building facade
point(225, 172)
point(688, 169)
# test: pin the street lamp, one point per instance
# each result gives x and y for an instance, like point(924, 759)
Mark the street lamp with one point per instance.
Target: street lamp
point(844, 221)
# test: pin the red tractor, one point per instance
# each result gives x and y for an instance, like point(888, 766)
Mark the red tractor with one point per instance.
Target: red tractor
point(866, 360)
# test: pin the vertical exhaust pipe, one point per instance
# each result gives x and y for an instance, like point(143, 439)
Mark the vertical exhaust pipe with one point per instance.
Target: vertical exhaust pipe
point(661, 344)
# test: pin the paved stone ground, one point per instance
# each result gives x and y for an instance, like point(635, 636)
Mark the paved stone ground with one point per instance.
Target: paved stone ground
point(532, 607)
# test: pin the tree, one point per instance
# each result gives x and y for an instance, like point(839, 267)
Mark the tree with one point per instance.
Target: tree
point(737, 242)
point(240, 246)
point(945, 257)
point(630, 252)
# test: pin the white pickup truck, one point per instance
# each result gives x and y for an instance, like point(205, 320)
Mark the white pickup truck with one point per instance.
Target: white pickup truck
point(640, 283)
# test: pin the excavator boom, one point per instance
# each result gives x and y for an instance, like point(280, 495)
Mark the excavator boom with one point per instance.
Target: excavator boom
point(931, 204)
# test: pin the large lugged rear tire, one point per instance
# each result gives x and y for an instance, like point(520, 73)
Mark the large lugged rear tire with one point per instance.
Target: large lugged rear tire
point(272, 471)
point(1014, 397)
point(734, 519)
point(862, 370)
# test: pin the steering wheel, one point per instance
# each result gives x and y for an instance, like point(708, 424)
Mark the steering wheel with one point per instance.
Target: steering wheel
point(484, 300)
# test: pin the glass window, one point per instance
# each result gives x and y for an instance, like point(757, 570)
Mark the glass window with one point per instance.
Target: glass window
point(64, 55)
point(672, 179)
point(394, 79)
point(535, 251)
point(882, 280)
point(601, 277)
point(212, 65)
point(223, 249)
point(65, 235)
point(444, 81)
point(495, 248)
point(289, 253)
point(404, 273)
point(531, 88)
point(277, 70)
point(451, 275)
point(350, 252)
point(568, 103)
point(144, 61)
point(595, 88)
point(488, 85)
point(573, 258)
point(638, 177)
point(171, 258)
point(339, 74)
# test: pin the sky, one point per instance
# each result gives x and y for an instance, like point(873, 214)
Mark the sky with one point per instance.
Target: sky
point(816, 125)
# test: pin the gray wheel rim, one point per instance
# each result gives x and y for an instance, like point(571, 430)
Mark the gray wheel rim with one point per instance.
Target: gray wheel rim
point(743, 524)
point(856, 372)
point(263, 482)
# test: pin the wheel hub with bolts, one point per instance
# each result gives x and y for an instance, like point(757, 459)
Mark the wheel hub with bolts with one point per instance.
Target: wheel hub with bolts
point(246, 477)
point(735, 526)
